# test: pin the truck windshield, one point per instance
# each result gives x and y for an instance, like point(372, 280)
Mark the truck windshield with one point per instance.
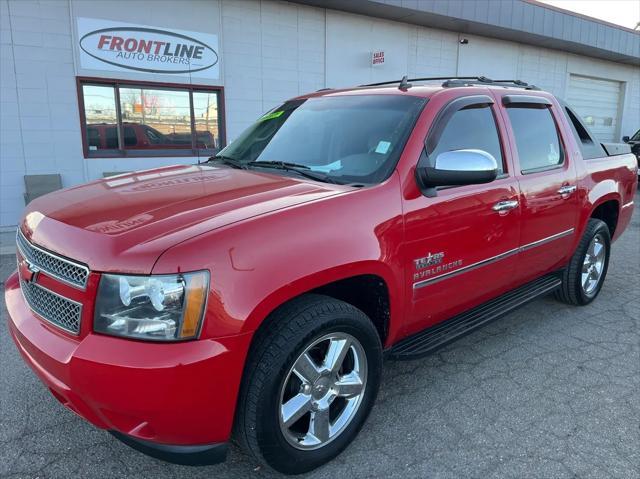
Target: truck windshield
point(345, 139)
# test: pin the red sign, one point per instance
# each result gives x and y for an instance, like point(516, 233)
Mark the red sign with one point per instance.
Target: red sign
point(377, 58)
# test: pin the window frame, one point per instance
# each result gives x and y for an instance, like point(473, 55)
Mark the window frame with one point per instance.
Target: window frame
point(537, 105)
point(444, 116)
point(121, 151)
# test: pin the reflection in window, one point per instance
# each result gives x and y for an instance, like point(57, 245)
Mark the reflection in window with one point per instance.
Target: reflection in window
point(205, 113)
point(155, 118)
point(181, 121)
point(101, 117)
point(471, 128)
point(536, 138)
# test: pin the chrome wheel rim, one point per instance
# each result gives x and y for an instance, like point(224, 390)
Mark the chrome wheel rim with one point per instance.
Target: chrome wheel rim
point(323, 391)
point(593, 265)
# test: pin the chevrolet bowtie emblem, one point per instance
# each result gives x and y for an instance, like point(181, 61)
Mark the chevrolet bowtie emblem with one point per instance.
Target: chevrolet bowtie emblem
point(28, 271)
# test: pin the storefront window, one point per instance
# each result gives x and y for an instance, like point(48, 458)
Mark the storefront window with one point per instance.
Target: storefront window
point(101, 117)
point(125, 119)
point(205, 114)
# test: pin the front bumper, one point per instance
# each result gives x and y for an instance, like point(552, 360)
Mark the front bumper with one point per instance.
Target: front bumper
point(166, 399)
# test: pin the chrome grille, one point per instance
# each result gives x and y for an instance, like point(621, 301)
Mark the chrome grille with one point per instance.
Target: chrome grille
point(61, 268)
point(61, 312)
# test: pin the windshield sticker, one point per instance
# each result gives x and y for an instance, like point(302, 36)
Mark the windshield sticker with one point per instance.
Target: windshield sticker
point(271, 116)
point(383, 147)
point(336, 165)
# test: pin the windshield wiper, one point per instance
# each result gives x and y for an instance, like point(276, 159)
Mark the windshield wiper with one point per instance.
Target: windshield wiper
point(228, 160)
point(302, 170)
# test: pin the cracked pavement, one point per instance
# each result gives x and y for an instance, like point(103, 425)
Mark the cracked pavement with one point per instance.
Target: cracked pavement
point(550, 391)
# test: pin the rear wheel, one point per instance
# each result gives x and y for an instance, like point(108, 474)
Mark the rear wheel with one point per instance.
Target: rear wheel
point(310, 382)
point(585, 274)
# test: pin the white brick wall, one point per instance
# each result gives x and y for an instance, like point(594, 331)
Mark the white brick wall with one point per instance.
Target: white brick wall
point(544, 68)
point(432, 52)
point(270, 50)
point(39, 130)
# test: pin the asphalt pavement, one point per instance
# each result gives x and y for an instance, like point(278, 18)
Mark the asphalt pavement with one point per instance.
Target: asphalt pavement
point(550, 391)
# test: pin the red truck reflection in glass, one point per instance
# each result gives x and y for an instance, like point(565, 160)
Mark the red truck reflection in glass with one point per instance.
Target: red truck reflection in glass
point(139, 136)
point(259, 292)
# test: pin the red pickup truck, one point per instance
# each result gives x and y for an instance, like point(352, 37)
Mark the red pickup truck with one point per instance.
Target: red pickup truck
point(255, 296)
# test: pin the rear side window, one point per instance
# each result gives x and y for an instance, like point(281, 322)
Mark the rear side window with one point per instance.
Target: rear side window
point(588, 146)
point(470, 128)
point(130, 136)
point(112, 137)
point(537, 139)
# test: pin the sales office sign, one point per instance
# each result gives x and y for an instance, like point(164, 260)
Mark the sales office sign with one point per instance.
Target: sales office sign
point(117, 46)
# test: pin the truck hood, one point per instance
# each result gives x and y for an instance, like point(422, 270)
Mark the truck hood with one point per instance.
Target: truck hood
point(124, 223)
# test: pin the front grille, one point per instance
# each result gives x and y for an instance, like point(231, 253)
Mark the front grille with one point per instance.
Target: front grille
point(61, 268)
point(55, 309)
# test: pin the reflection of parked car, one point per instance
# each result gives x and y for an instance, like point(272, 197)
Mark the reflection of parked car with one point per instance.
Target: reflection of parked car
point(138, 136)
point(634, 143)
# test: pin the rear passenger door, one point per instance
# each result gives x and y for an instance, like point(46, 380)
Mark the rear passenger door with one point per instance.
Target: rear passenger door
point(546, 173)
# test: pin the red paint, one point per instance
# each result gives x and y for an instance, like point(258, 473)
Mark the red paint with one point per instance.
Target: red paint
point(104, 39)
point(266, 239)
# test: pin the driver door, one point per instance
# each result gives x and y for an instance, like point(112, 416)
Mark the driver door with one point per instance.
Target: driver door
point(461, 244)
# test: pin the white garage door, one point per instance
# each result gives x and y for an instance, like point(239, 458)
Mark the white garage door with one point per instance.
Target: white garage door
point(598, 103)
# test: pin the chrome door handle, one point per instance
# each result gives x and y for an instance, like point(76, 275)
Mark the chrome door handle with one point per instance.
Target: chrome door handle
point(505, 205)
point(567, 190)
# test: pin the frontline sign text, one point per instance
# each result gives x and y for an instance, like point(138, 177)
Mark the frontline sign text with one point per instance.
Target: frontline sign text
point(147, 49)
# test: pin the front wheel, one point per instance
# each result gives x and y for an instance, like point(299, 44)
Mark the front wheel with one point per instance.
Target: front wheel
point(310, 382)
point(583, 278)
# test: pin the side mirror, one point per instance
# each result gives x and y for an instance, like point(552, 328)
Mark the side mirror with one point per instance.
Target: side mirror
point(458, 167)
point(625, 138)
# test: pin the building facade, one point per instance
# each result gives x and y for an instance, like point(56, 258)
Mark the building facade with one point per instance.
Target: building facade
point(92, 88)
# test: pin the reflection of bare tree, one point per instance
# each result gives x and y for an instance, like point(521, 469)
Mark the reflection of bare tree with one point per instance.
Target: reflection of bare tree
point(128, 100)
point(167, 111)
point(160, 110)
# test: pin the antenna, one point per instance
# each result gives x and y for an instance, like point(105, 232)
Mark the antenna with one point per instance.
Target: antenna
point(404, 83)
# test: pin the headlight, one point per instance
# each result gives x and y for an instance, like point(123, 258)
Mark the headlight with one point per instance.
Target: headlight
point(155, 308)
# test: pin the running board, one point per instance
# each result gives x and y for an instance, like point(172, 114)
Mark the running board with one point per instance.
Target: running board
point(426, 341)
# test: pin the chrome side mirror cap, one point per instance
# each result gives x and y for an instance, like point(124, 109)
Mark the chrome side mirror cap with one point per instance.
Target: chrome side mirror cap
point(458, 167)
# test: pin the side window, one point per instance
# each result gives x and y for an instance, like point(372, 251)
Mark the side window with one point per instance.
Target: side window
point(470, 128)
point(588, 146)
point(130, 136)
point(112, 137)
point(93, 137)
point(537, 139)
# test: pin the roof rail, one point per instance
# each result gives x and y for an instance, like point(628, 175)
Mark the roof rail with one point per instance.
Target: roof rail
point(456, 81)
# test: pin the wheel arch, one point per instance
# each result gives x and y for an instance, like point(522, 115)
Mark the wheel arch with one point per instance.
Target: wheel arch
point(603, 202)
point(369, 286)
point(607, 210)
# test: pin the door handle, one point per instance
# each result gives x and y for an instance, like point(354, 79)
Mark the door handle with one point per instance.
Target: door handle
point(502, 206)
point(566, 191)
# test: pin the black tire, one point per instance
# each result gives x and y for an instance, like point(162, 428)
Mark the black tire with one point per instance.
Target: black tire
point(571, 291)
point(279, 342)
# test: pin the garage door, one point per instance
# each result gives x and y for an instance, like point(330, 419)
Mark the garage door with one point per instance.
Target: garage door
point(598, 103)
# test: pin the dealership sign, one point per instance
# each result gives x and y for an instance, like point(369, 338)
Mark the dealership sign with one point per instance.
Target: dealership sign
point(116, 46)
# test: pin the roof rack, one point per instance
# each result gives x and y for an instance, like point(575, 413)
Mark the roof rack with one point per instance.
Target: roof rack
point(456, 81)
